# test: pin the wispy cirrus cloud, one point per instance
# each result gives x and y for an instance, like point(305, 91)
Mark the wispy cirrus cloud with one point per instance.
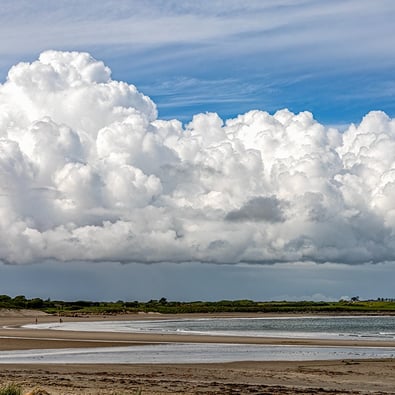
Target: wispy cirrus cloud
point(183, 93)
point(256, 43)
point(247, 27)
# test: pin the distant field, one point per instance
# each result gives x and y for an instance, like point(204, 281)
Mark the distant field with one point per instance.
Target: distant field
point(173, 307)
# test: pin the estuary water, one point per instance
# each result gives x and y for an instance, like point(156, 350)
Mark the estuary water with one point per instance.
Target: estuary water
point(353, 328)
point(193, 353)
point(344, 327)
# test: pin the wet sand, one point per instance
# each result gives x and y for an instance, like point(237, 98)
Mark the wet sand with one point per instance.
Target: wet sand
point(312, 377)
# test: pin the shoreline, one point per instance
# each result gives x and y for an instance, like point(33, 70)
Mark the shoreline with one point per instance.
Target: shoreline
point(278, 377)
point(15, 337)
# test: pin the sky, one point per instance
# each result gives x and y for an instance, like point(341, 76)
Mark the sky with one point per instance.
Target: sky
point(197, 150)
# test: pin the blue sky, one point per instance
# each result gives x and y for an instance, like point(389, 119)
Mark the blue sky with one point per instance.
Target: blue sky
point(334, 58)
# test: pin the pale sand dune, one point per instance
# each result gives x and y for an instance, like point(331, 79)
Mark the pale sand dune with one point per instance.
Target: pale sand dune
point(323, 377)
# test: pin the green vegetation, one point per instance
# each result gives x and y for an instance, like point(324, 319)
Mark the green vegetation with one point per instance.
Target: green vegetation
point(10, 389)
point(164, 306)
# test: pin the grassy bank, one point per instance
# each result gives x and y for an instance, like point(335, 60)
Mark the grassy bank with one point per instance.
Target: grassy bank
point(174, 307)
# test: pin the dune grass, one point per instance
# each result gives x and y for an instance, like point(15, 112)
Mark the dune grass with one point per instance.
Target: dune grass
point(11, 389)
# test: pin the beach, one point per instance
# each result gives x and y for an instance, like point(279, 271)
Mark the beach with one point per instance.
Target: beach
point(251, 377)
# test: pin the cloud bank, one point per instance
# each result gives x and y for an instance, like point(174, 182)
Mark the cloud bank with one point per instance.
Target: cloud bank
point(88, 172)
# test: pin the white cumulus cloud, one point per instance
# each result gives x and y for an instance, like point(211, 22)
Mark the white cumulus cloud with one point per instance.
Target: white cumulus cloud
point(88, 172)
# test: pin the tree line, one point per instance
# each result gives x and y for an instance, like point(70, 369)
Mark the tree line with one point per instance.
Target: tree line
point(164, 306)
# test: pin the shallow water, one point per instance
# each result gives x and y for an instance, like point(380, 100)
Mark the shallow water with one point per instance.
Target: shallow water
point(351, 327)
point(193, 353)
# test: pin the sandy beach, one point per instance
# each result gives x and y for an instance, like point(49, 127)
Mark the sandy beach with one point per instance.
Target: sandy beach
point(311, 377)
